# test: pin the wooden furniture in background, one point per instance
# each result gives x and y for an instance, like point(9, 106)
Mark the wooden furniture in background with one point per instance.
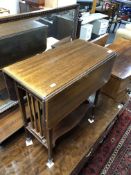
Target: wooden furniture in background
point(11, 123)
point(31, 36)
point(35, 4)
point(56, 83)
point(38, 2)
point(120, 79)
point(102, 40)
point(120, 45)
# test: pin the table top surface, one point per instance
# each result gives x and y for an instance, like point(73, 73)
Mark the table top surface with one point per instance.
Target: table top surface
point(122, 65)
point(49, 73)
point(11, 28)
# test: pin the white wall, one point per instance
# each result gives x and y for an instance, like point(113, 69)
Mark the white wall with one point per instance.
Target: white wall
point(59, 3)
point(12, 5)
point(66, 2)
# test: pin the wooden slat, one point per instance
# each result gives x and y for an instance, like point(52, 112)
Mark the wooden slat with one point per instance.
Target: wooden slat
point(30, 109)
point(34, 113)
point(39, 118)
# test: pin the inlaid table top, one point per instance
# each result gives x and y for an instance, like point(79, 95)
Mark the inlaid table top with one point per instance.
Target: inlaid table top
point(122, 65)
point(49, 73)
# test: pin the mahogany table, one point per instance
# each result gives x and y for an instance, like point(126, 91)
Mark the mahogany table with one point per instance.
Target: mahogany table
point(56, 83)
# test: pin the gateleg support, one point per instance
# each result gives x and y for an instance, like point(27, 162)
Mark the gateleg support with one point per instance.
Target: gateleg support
point(92, 118)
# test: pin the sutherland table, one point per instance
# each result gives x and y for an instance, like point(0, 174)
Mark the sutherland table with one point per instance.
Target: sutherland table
point(56, 83)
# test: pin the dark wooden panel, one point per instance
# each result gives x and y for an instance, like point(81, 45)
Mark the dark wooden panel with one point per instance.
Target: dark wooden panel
point(2, 82)
point(20, 40)
point(66, 101)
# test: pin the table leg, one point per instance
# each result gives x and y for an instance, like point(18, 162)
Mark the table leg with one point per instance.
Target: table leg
point(50, 162)
point(20, 94)
point(95, 101)
point(91, 120)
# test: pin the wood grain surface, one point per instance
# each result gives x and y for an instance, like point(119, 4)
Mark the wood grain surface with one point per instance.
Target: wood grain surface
point(10, 122)
point(51, 72)
point(121, 72)
point(11, 28)
point(122, 65)
point(120, 45)
point(63, 103)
